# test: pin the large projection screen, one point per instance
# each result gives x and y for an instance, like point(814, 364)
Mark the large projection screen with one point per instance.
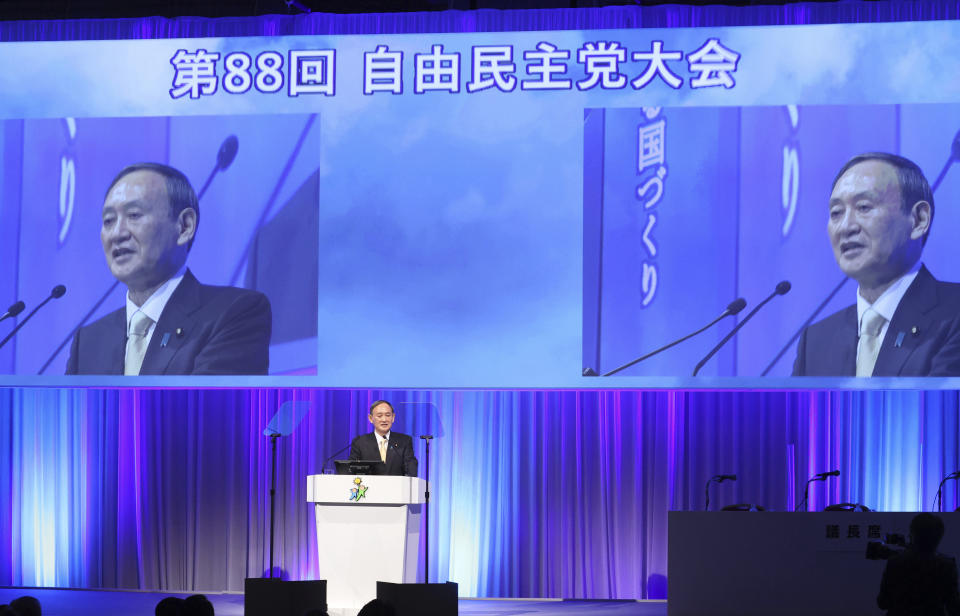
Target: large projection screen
point(483, 210)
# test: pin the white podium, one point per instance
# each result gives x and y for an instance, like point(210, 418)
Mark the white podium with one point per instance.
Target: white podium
point(367, 531)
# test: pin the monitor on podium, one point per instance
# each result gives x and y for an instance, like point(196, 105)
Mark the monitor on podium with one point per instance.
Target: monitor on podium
point(359, 467)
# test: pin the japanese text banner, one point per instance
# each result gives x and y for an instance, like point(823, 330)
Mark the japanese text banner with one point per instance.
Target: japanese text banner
point(474, 210)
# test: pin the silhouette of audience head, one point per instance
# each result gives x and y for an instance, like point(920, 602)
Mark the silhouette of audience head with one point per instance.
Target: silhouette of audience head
point(21, 606)
point(26, 606)
point(926, 531)
point(376, 608)
point(170, 606)
point(197, 605)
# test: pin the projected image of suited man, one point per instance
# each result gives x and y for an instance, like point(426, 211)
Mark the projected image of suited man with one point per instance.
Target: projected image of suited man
point(905, 322)
point(171, 324)
point(394, 449)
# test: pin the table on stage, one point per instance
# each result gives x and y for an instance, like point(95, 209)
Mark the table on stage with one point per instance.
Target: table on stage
point(368, 530)
point(731, 563)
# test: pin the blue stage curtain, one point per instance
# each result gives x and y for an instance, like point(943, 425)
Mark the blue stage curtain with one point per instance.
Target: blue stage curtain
point(488, 20)
point(550, 494)
point(536, 493)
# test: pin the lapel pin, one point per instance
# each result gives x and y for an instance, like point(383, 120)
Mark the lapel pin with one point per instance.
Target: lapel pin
point(165, 340)
point(899, 342)
point(915, 331)
point(179, 332)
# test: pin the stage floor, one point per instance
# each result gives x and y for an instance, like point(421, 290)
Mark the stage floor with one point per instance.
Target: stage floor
point(63, 602)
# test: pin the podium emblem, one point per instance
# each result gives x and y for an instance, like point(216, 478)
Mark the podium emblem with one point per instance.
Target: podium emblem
point(358, 491)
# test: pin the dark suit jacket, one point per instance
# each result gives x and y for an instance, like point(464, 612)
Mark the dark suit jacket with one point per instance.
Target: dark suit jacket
point(917, 584)
point(223, 330)
point(400, 458)
point(926, 324)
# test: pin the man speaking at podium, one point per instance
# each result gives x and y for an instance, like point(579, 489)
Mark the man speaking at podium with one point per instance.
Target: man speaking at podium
point(395, 450)
point(171, 324)
point(905, 321)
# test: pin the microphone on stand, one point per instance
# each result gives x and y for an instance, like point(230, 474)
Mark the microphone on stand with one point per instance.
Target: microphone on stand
point(954, 157)
point(14, 309)
point(717, 479)
point(817, 477)
point(805, 325)
point(226, 154)
point(939, 496)
point(782, 288)
point(732, 308)
point(57, 291)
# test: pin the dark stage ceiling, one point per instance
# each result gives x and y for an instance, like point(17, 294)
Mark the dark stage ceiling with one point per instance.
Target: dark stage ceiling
point(99, 9)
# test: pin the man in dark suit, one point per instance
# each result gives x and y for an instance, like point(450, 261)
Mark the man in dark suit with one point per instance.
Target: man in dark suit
point(921, 581)
point(905, 322)
point(171, 324)
point(395, 450)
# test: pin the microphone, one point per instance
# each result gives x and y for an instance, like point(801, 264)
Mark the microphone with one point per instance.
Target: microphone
point(227, 152)
point(817, 477)
point(225, 155)
point(337, 453)
point(939, 497)
point(735, 306)
point(782, 288)
point(805, 325)
point(954, 157)
point(57, 291)
point(13, 310)
point(717, 479)
point(732, 308)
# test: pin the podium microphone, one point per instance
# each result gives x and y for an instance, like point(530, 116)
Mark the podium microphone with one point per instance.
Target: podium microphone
point(954, 157)
point(805, 325)
point(225, 155)
point(782, 288)
point(13, 310)
point(57, 291)
point(732, 308)
point(335, 454)
point(817, 477)
point(717, 479)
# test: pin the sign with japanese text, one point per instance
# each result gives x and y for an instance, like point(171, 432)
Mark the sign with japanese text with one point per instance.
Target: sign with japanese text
point(495, 210)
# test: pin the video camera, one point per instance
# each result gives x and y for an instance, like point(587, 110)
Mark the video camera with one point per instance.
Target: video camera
point(892, 545)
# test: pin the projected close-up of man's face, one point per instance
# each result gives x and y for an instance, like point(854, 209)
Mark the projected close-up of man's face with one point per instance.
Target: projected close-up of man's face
point(874, 238)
